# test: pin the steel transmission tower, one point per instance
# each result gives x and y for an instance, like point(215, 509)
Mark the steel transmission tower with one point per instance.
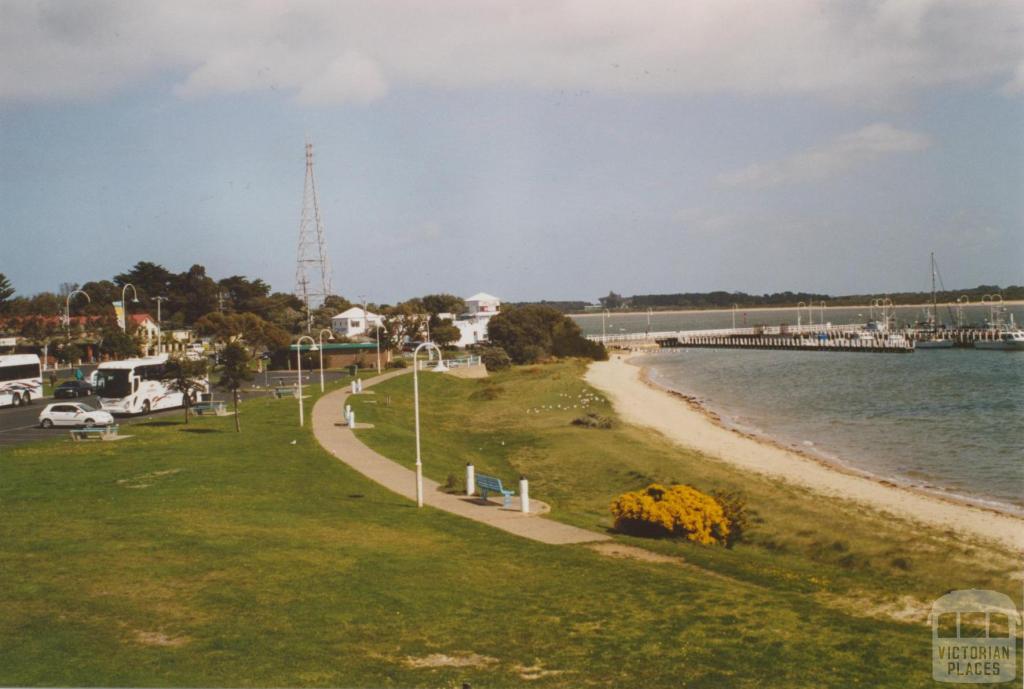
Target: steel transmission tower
point(312, 270)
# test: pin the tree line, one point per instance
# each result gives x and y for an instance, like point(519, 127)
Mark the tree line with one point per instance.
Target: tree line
point(725, 300)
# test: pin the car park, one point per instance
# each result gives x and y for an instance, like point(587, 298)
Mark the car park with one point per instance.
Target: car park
point(73, 414)
point(72, 389)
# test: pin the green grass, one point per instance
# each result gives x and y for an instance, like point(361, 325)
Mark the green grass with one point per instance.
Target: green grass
point(195, 556)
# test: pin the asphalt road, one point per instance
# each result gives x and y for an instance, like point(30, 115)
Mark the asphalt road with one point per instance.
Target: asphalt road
point(19, 425)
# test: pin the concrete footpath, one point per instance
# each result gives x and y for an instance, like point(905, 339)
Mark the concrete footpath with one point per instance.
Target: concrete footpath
point(332, 433)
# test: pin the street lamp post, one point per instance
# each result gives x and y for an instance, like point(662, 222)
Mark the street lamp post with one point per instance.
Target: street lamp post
point(416, 413)
point(604, 329)
point(321, 337)
point(799, 305)
point(649, 310)
point(376, 330)
point(159, 325)
point(298, 357)
point(124, 304)
point(961, 301)
point(734, 307)
point(67, 309)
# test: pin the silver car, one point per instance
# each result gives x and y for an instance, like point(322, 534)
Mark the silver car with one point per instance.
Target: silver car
point(73, 414)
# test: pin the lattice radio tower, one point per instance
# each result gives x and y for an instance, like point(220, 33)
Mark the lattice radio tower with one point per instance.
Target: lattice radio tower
point(312, 270)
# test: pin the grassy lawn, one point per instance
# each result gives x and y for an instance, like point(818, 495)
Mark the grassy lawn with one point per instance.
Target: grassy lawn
point(195, 556)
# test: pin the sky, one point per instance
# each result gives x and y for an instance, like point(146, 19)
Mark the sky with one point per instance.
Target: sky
point(533, 150)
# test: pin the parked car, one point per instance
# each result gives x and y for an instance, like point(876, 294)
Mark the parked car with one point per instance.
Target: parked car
point(73, 388)
point(73, 414)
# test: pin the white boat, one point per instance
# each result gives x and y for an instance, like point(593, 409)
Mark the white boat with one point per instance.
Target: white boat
point(1011, 340)
point(931, 338)
point(934, 343)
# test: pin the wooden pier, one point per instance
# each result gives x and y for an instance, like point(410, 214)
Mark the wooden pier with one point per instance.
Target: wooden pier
point(831, 338)
point(890, 345)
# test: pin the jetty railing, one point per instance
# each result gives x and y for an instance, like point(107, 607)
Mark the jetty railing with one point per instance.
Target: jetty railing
point(760, 330)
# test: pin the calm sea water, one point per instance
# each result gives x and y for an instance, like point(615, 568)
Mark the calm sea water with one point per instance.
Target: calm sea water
point(947, 420)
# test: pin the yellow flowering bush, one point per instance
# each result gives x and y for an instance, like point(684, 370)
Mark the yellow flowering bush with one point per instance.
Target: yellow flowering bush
point(679, 511)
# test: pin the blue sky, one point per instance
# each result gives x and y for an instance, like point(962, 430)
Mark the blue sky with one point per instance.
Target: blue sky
point(531, 150)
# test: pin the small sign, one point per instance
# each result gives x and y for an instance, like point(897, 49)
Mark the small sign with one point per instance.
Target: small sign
point(8, 341)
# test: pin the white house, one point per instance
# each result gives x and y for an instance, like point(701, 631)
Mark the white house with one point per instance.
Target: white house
point(355, 322)
point(472, 325)
point(482, 304)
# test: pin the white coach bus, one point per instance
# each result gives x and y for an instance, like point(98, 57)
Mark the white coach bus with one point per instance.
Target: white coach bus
point(134, 386)
point(21, 379)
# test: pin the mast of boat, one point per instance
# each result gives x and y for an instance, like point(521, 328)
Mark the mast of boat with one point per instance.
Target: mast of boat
point(935, 303)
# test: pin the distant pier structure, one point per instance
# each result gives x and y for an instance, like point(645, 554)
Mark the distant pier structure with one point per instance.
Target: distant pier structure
point(828, 338)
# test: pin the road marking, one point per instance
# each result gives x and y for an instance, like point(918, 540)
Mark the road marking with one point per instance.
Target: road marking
point(19, 428)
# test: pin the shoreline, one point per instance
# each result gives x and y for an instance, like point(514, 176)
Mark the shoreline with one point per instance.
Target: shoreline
point(669, 312)
point(685, 421)
point(814, 454)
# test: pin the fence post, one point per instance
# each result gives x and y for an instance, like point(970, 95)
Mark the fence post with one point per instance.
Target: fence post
point(524, 493)
point(470, 479)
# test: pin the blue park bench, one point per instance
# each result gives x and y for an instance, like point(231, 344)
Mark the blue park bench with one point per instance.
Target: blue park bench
point(101, 432)
point(284, 392)
point(490, 484)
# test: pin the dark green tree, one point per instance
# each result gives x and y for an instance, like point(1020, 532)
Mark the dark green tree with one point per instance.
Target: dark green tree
point(116, 343)
point(6, 292)
point(187, 376)
point(235, 372)
point(531, 333)
point(444, 333)
point(151, 279)
point(435, 304)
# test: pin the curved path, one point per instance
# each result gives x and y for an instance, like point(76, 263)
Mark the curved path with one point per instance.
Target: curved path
point(332, 433)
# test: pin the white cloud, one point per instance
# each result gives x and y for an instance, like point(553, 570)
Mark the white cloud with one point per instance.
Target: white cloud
point(833, 158)
point(325, 52)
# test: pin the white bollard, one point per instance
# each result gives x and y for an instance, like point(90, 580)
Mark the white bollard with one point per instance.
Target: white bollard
point(470, 479)
point(360, 381)
point(524, 493)
point(352, 419)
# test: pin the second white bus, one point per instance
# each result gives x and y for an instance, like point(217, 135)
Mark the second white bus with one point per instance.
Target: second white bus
point(134, 386)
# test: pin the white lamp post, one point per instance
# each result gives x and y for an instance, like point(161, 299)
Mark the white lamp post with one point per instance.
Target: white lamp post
point(734, 307)
point(416, 413)
point(961, 301)
point(298, 356)
point(67, 309)
point(376, 330)
point(321, 338)
point(604, 329)
point(124, 304)
point(159, 325)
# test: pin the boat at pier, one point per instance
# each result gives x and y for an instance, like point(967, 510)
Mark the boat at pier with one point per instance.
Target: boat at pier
point(931, 336)
point(1011, 340)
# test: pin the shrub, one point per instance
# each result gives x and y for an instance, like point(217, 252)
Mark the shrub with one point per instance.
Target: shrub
point(495, 359)
point(488, 393)
point(592, 420)
point(398, 363)
point(679, 511)
point(734, 505)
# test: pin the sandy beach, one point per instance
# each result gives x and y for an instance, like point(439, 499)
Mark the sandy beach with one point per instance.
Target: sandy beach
point(642, 403)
